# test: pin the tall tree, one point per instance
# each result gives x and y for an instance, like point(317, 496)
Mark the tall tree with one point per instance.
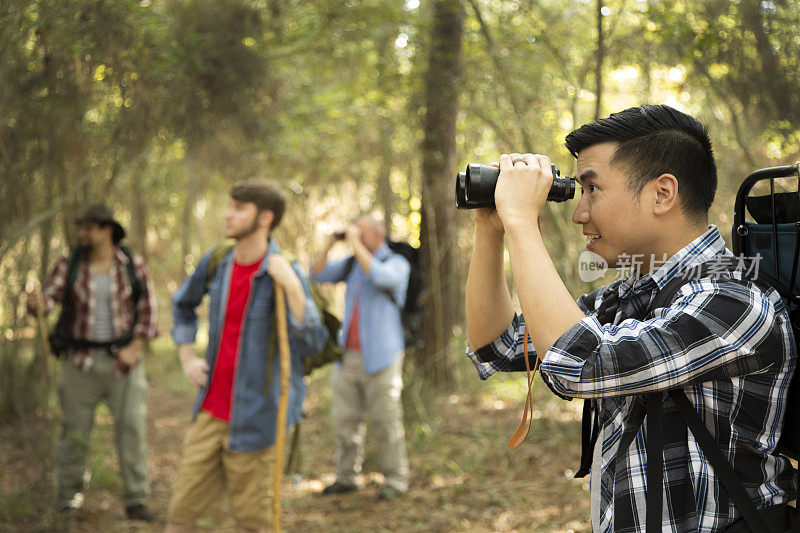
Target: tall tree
point(438, 167)
point(600, 56)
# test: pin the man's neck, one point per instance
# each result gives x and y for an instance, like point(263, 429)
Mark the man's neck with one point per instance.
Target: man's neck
point(673, 244)
point(250, 249)
point(101, 254)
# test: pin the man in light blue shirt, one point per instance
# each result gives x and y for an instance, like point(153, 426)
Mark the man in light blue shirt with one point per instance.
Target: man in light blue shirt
point(369, 379)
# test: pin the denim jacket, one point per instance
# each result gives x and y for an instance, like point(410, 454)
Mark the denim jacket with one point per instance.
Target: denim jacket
point(254, 404)
point(381, 295)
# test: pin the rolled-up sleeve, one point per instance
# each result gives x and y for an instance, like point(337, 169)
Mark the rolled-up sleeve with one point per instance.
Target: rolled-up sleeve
point(185, 301)
point(507, 352)
point(391, 275)
point(334, 271)
point(714, 330)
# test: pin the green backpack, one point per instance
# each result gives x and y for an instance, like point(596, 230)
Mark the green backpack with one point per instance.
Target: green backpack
point(329, 353)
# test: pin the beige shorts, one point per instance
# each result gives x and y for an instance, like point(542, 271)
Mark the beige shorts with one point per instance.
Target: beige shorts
point(208, 469)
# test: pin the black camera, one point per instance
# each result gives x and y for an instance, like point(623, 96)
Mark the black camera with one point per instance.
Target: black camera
point(475, 187)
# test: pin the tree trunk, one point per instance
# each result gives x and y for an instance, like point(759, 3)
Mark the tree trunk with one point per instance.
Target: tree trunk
point(598, 70)
point(443, 284)
point(772, 84)
point(139, 215)
point(187, 217)
point(385, 126)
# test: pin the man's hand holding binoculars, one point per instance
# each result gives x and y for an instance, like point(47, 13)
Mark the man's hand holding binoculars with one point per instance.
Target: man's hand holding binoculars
point(522, 188)
point(524, 184)
point(350, 235)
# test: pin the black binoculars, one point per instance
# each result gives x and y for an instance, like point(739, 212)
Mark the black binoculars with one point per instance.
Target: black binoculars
point(475, 187)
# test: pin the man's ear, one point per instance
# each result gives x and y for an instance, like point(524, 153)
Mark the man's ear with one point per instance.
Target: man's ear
point(265, 219)
point(665, 194)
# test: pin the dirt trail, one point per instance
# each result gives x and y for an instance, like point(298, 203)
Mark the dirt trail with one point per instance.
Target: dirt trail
point(463, 476)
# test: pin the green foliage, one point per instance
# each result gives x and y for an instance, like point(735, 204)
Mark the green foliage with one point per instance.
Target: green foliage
point(157, 107)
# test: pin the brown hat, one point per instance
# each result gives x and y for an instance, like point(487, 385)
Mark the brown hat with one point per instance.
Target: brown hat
point(103, 215)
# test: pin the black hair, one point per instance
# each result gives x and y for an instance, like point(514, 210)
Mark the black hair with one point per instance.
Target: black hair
point(116, 234)
point(655, 140)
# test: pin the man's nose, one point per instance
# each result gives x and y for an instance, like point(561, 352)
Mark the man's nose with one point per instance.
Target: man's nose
point(581, 214)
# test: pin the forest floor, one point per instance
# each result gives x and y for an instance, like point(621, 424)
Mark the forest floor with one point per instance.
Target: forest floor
point(463, 477)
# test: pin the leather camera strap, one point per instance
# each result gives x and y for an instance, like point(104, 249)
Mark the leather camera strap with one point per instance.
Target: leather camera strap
point(527, 420)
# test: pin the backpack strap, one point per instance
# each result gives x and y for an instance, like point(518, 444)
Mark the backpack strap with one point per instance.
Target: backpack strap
point(60, 336)
point(136, 283)
point(217, 253)
point(655, 463)
point(75, 258)
point(349, 265)
point(711, 450)
point(590, 423)
point(136, 293)
point(709, 447)
point(72, 273)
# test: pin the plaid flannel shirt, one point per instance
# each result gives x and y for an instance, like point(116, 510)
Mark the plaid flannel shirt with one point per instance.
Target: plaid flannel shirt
point(727, 344)
point(122, 307)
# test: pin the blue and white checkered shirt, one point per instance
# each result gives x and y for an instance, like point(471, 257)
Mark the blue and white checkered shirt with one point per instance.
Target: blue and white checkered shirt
point(727, 344)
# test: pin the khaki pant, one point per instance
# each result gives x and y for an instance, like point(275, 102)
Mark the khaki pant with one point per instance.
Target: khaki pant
point(208, 468)
point(79, 393)
point(356, 394)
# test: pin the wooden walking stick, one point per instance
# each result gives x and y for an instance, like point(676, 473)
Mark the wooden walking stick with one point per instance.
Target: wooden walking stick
point(283, 404)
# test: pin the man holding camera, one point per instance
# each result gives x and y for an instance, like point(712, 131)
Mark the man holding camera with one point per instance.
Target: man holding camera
point(108, 298)
point(648, 178)
point(369, 379)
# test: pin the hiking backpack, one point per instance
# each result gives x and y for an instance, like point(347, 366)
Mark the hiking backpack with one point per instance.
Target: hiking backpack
point(330, 352)
point(60, 338)
point(773, 236)
point(411, 315)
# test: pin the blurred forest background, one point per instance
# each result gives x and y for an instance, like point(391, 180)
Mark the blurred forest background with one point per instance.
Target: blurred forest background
point(157, 106)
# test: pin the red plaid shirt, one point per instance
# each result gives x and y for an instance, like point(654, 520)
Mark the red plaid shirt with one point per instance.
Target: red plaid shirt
point(122, 305)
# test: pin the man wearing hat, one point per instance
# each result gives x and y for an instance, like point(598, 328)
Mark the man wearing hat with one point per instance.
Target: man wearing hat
point(108, 314)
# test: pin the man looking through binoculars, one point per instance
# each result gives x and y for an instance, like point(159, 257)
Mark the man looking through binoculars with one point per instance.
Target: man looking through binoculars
point(648, 178)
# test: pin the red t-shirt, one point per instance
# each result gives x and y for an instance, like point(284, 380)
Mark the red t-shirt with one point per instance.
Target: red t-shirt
point(352, 342)
point(220, 391)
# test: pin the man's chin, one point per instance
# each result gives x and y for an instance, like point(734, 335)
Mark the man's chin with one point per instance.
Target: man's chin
point(235, 235)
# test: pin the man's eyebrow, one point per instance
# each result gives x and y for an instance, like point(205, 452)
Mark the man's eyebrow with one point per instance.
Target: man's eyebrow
point(589, 174)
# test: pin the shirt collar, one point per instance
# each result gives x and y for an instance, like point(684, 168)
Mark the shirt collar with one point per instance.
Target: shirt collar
point(382, 252)
point(272, 248)
point(697, 252)
point(121, 257)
